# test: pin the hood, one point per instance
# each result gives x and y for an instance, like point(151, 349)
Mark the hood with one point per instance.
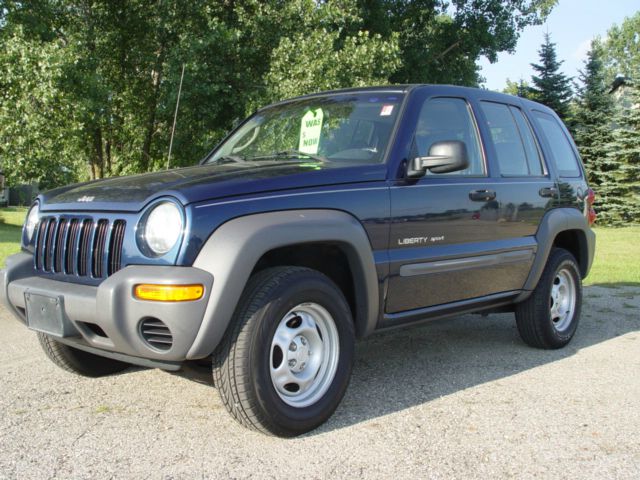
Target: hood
point(203, 182)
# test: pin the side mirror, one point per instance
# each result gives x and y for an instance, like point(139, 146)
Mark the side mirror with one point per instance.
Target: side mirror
point(444, 157)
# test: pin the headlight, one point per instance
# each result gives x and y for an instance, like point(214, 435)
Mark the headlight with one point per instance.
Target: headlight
point(162, 227)
point(31, 222)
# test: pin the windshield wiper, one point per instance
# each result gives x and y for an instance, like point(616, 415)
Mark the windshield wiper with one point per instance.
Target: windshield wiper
point(289, 154)
point(230, 159)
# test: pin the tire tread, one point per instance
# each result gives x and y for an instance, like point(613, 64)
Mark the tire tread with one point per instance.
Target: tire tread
point(231, 375)
point(77, 361)
point(232, 372)
point(532, 313)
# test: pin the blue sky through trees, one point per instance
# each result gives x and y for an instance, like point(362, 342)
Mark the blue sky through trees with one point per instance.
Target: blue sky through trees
point(572, 25)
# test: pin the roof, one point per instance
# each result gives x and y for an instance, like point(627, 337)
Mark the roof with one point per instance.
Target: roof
point(447, 90)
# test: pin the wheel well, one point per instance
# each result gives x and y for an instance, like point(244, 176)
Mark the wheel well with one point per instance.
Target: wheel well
point(327, 258)
point(575, 242)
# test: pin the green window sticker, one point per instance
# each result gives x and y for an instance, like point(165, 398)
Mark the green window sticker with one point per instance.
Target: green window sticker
point(310, 130)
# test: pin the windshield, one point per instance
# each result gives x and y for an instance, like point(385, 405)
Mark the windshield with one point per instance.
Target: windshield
point(336, 129)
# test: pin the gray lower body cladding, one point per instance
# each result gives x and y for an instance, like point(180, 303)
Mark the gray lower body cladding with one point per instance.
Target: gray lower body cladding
point(108, 317)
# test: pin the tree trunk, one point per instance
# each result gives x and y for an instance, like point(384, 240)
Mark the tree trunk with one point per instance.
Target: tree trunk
point(98, 158)
point(107, 163)
point(156, 80)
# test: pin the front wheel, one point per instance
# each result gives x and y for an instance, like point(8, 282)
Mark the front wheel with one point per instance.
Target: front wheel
point(549, 317)
point(286, 360)
point(78, 361)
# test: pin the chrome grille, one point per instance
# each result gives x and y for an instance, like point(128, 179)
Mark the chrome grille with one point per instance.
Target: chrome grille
point(99, 241)
point(115, 246)
point(81, 247)
point(61, 233)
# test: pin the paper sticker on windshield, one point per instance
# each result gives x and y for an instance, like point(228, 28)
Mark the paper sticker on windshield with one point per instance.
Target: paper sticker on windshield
point(386, 110)
point(310, 130)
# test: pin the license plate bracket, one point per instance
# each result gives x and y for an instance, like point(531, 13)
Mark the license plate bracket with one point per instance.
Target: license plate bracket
point(45, 313)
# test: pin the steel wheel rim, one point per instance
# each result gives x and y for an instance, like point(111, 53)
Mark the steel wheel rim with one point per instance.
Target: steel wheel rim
point(304, 353)
point(562, 300)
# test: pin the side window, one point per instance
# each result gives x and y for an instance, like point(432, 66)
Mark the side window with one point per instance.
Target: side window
point(444, 119)
point(515, 147)
point(561, 151)
point(512, 158)
point(529, 141)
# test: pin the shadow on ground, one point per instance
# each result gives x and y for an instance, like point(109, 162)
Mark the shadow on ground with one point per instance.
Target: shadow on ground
point(414, 365)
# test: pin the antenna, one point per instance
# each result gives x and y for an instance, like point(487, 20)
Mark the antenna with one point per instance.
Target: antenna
point(175, 117)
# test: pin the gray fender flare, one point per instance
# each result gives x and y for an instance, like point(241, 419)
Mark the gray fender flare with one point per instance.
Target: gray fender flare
point(232, 251)
point(554, 222)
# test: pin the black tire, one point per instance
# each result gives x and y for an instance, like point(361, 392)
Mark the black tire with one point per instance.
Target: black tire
point(534, 317)
point(78, 361)
point(242, 362)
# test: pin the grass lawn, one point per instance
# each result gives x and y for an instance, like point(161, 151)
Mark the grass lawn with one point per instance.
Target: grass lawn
point(11, 220)
point(617, 249)
point(617, 257)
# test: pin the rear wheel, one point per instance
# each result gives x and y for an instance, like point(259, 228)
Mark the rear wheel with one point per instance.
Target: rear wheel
point(286, 361)
point(549, 317)
point(78, 361)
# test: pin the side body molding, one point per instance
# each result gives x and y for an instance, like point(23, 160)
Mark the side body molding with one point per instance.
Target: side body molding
point(554, 222)
point(233, 250)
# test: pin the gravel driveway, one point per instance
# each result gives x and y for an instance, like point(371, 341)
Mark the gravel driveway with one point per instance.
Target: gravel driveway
point(462, 398)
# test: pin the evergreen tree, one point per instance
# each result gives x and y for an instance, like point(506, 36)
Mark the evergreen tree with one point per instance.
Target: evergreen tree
point(593, 132)
point(624, 182)
point(551, 87)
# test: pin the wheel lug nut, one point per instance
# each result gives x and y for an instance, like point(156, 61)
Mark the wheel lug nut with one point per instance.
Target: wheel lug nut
point(293, 347)
point(292, 363)
point(303, 340)
point(302, 365)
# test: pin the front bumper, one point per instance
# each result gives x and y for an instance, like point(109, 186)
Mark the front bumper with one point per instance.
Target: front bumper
point(107, 318)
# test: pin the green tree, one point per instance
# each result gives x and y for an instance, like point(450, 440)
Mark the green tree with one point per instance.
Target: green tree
point(311, 63)
point(593, 114)
point(114, 65)
point(622, 48)
point(264, 51)
point(550, 86)
point(441, 41)
point(623, 183)
point(518, 89)
point(35, 114)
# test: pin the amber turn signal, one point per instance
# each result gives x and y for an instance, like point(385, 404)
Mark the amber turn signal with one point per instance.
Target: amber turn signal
point(168, 293)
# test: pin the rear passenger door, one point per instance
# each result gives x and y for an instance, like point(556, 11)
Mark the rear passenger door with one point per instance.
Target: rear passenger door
point(572, 186)
point(524, 183)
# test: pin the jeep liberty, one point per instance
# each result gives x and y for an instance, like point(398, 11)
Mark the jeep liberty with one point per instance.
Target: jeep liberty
point(316, 222)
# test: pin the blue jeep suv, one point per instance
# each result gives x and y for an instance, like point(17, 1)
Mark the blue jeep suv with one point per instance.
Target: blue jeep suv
point(317, 221)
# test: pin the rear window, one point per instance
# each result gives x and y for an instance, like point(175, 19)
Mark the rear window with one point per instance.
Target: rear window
point(561, 152)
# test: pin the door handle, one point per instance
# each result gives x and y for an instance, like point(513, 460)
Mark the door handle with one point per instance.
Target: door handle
point(548, 192)
point(482, 195)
